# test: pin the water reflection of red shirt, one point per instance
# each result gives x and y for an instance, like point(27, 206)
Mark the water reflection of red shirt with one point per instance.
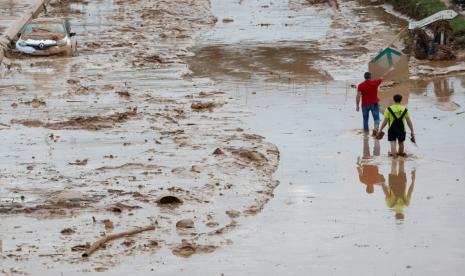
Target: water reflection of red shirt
point(370, 175)
point(369, 90)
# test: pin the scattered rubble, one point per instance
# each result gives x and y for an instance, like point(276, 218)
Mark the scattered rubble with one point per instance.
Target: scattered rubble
point(169, 201)
point(185, 223)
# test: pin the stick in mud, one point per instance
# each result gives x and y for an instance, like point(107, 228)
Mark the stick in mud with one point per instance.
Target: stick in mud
point(96, 245)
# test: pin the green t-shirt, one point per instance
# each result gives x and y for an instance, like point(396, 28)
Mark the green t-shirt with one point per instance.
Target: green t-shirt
point(398, 109)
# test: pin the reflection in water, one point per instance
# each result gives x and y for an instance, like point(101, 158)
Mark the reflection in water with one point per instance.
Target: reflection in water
point(397, 196)
point(368, 173)
point(443, 90)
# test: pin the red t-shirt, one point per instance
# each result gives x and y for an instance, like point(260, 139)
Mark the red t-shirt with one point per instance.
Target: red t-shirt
point(369, 90)
point(370, 175)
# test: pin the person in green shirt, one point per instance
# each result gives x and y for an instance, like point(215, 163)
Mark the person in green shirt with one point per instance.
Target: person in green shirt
point(396, 194)
point(396, 115)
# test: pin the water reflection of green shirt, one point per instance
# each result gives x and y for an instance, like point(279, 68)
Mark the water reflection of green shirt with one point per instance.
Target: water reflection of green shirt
point(397, 197)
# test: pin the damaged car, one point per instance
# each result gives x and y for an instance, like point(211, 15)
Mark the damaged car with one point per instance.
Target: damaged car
point(47, 36)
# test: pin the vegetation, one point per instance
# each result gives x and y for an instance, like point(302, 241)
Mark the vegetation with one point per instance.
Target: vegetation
point(422, 8)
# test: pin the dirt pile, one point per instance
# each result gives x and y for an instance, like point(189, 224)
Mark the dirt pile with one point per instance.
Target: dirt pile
point(81, 122)
point(187, 249)
point(200, 106)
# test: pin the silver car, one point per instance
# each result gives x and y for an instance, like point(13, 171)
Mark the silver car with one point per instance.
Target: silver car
point(47, 36)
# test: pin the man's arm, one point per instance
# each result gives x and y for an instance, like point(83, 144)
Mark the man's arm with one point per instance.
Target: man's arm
point(387, 73)
point(357, 100)
point(410, 125)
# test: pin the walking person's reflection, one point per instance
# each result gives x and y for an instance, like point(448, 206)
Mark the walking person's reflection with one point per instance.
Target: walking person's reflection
point(368, 173)
point(397, 196)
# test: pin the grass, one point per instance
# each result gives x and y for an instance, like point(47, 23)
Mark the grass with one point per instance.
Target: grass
point(419, 9)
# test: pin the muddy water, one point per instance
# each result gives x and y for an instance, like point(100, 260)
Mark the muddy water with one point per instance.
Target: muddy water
point(105, 134)
point(343, 206)
point(10, 10)
point(321, 220)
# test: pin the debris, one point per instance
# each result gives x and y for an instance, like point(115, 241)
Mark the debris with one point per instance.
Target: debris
point(100, 269)
point(128, 243)
point(35, 103)
point(152, 244)
point(185, 223)
point(88, 123)
point(123, 94)
point(212, 224)
point(67, 231)
point(228, 20)
point(233, 214)
point(169, 201)
point(154, 58)
point(96, 245)
point(187, 249)
point(80, 247)
point(203, 105)
point(108, 224)
point(79, 162)
point(218, 151)
point(250, 155)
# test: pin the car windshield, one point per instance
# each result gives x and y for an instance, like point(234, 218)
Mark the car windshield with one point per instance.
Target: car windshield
point(44, 27)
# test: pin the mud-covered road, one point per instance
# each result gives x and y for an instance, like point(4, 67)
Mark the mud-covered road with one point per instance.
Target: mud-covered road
point(118, 138)
point(201, 101)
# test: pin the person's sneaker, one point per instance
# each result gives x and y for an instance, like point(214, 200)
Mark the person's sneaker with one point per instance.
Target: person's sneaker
point(403, 154)
point(375, 131)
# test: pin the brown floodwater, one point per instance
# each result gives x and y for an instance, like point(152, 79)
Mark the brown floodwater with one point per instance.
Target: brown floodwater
point(342, 206)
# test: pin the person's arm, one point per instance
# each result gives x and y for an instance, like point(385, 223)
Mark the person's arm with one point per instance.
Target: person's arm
point(386, 73)
point(385, 189)
point(410, 125)
point(357, 100)
point(383, 124)
point(360, 173)
point(410, 189)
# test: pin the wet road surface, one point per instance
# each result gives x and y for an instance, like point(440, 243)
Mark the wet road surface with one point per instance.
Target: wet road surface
point(343, 207)
point(286, 69)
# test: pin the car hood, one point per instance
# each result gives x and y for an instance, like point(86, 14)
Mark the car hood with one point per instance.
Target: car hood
point(43, 36)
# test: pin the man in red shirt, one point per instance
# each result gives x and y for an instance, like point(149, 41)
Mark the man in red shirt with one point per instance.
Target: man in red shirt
point(367, 91)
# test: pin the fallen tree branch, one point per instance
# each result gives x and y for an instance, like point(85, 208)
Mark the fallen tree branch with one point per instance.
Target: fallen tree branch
point(96, 245)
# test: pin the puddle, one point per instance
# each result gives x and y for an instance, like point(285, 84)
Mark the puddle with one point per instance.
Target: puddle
point(267, 63)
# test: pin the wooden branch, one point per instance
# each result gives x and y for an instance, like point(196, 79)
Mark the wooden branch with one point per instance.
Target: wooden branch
point(96, 245)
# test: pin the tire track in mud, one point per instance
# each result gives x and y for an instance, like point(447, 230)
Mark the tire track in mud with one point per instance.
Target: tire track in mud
point(81, 160)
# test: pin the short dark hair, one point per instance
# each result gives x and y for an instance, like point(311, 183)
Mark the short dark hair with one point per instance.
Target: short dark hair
point(367, 75)
point(397, 98)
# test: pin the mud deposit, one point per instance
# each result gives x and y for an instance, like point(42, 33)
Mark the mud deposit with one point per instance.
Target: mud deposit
point(115, 139)
point(170, 118)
